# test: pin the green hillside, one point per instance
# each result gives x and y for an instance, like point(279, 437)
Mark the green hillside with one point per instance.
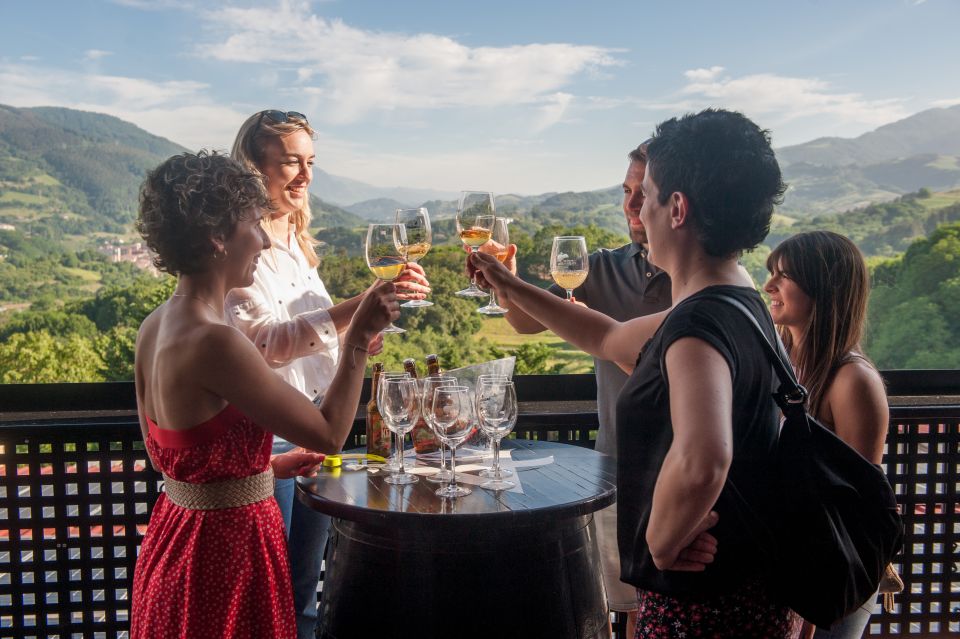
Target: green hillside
point(883, 229)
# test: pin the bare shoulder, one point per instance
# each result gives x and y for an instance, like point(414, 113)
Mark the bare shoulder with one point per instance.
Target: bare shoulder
point(858, 379)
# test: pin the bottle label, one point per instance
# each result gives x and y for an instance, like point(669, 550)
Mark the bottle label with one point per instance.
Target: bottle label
point(378, 435)
point(424, 440)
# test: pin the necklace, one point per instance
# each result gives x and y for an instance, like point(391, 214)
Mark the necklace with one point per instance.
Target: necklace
point(199, 299)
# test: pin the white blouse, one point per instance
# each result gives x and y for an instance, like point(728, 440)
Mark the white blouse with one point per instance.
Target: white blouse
point(285, 314)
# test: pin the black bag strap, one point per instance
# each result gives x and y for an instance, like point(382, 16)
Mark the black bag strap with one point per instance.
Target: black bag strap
point(790, 390)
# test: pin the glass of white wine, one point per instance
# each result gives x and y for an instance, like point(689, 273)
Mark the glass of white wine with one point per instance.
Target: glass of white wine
point(475, 217)
point(385, 257)
point(497, 246)
point(569, 262)
point(416, 222)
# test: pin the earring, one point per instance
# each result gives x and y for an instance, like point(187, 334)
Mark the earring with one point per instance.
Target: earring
point(220, 255)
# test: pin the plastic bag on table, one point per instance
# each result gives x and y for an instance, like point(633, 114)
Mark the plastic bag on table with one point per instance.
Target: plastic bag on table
point(478, 444)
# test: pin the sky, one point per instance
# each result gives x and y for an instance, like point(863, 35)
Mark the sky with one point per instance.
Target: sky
point(512, 96)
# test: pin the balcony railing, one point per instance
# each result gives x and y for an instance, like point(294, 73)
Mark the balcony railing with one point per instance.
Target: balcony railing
point(76, 491)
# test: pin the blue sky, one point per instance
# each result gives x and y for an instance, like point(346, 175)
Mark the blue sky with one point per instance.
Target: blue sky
point(521, 96)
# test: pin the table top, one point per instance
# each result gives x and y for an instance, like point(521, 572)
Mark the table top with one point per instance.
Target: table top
point(578, 482)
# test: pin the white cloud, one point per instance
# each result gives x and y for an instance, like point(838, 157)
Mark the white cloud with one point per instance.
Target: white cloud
point(357, 71)
point(778, 100)
point(703, 75)
point(96, 54)
point(947, 102)
point(29, 58)
point(553, 111)
point(181, 111)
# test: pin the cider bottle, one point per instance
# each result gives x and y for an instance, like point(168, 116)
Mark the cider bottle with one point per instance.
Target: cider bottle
point(424, 441)
point(378, 435)
point(433, 364)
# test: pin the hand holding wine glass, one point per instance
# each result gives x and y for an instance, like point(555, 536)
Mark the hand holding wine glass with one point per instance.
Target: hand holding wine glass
point(475, 219)
point(569, 262)
point(499, 247)
point(384, 257)
point(419, 238)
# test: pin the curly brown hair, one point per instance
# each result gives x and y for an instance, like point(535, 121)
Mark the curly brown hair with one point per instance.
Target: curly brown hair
point(189, 200)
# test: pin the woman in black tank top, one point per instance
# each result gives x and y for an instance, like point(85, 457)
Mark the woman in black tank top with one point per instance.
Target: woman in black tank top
point(695, 423)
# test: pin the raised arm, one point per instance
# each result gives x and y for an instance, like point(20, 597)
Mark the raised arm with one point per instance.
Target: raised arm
point(588, 330)
point(236, 371)
point(696, 466)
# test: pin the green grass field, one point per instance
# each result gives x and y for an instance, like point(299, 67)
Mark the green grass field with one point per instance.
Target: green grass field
point(22, 198)
point(500, 333)
point(940, 200)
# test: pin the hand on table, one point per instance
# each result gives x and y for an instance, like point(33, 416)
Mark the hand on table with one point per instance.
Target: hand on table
point(295, 462)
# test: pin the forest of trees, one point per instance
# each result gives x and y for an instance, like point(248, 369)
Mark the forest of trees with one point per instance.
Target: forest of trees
point(68, 335)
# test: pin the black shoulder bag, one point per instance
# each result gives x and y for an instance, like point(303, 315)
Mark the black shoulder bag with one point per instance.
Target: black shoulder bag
point(837, 525)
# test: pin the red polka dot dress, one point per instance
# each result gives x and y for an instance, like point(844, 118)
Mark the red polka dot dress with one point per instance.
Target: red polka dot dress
point(213, 573)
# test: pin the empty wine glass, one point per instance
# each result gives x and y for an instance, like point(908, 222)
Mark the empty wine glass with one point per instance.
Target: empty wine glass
point(428, 385)
point(400, 410)
point(384, 255)
point(453, 418)
point(419, 238)
point(569, 262)
point(497, 246)
point(475, 218)
point(393, 464)
point(483, 380)
point(497, 412)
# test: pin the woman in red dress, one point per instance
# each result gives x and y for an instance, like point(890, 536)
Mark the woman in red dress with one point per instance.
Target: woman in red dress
point(214, 562)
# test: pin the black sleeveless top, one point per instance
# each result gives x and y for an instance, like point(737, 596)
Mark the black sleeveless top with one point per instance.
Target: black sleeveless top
point(645, 432)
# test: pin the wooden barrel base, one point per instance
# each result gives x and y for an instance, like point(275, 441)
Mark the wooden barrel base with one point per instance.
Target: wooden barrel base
point(511, 581)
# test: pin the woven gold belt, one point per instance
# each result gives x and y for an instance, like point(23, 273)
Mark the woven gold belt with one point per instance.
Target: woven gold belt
point(231, 493)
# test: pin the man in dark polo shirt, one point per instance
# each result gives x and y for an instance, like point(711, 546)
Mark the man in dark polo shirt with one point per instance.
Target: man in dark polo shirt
point(623, 285)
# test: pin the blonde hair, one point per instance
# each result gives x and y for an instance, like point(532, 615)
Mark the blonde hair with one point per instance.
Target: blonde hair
point(249, 149)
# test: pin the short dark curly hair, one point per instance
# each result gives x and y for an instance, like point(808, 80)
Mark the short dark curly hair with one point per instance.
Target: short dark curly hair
point(190, 199)
point(724, 164)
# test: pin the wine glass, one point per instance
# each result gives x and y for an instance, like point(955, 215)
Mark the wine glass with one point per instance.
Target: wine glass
point(497, 411)
point(428, 385)
point(453, 419)
point(497, 246)
point(475, 217)
point(400, 410)
point(384, 257)
point(482, 381)
point(416, 222)
point(393, 464)
point(569, 262)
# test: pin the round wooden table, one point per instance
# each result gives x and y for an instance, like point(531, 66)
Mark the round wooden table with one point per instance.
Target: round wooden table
point(403, 562)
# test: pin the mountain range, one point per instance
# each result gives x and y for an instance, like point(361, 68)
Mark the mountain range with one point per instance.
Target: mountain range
point(75, 172)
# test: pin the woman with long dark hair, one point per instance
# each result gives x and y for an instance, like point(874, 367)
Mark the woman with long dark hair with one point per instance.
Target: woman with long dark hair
point(818, 290)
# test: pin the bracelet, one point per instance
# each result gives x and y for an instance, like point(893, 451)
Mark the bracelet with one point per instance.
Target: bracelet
point(353, 353)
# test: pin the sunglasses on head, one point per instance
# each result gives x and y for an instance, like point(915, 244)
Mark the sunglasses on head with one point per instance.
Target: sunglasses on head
point(279, 117)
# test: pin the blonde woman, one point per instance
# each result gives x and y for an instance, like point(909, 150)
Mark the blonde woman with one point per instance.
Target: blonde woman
point(289, 316)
